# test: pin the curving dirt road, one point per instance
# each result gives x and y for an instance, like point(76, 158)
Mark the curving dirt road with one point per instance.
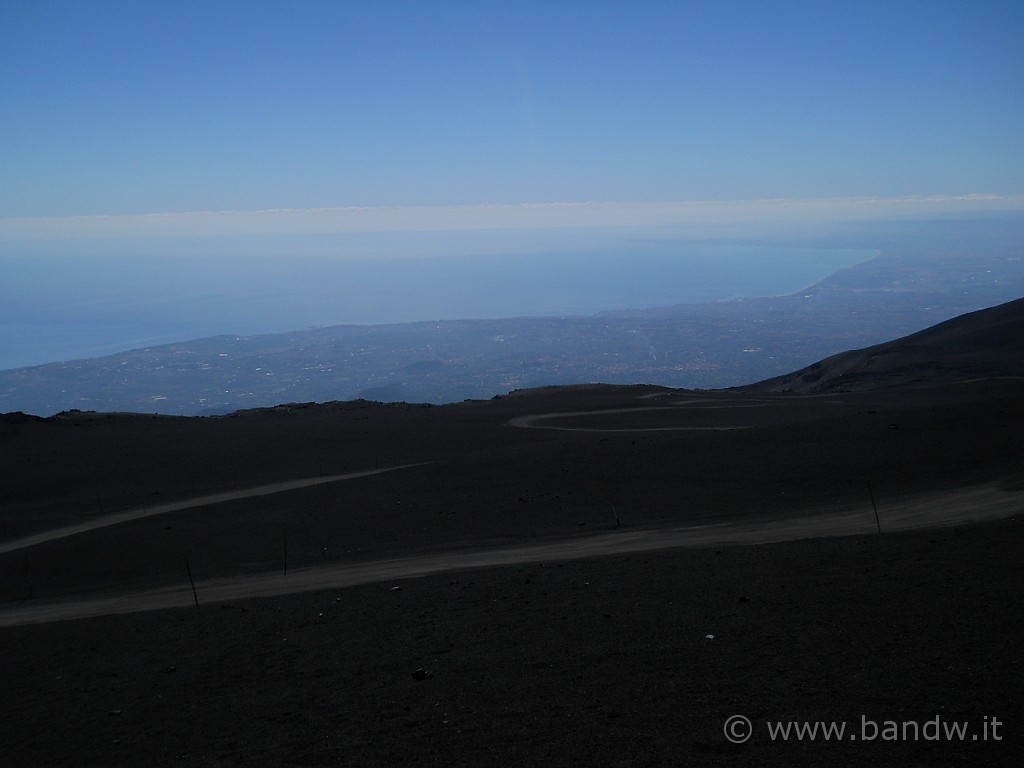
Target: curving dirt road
point(968, 505)
point(535, 421)
point(200, 501)
point(531, 421)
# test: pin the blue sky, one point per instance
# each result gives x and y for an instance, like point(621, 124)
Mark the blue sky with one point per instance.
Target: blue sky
point(124, 108)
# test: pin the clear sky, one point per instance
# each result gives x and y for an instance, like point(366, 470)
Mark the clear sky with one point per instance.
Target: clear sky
point(122, 108)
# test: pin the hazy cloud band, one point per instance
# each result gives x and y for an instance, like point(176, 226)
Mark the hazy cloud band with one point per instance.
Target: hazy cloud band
point(695, 214)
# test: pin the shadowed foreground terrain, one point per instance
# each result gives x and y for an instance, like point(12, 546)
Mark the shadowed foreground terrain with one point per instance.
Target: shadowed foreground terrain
point(634, 612)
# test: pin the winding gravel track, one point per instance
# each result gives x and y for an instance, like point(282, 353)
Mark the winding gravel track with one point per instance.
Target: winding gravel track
point(533, 421)
point(967, 505)
point(200, 501)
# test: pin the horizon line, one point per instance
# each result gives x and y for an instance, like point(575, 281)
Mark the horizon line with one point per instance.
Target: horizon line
point(490, 216)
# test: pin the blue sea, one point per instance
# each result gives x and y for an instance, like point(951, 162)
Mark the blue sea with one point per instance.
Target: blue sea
point(62, 303)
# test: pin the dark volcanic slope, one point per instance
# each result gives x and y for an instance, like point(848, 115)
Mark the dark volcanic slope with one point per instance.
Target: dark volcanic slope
point(625, 660)
point(984, 344)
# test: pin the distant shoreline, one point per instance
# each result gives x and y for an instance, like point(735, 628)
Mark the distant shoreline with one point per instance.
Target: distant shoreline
point(63, 308)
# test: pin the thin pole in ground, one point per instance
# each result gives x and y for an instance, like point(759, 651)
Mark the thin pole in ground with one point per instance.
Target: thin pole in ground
point(188, 569)
point(874, 506)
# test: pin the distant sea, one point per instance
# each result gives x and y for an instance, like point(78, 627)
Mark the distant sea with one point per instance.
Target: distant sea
point(55, 306)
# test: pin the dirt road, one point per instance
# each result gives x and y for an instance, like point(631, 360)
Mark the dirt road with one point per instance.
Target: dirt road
point(968, 505)
point(534, 421)
point(688, 404)
point(199, 501)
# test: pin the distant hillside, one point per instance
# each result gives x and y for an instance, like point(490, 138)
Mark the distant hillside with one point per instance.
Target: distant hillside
point(706, 346)
point(984, 344)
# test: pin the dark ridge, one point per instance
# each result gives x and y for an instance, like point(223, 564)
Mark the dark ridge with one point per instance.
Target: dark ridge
point(985, 344)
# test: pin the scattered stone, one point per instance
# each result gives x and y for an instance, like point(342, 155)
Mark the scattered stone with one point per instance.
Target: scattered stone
point(422, 674)
point(396, 589)
point(709, 637)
